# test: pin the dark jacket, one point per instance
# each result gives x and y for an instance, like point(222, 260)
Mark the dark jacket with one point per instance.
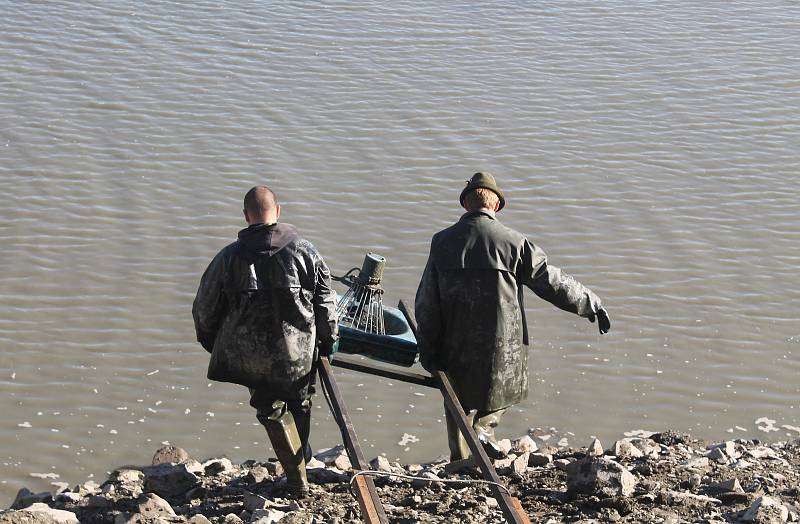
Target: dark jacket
point(262, 304)
point(470, 311)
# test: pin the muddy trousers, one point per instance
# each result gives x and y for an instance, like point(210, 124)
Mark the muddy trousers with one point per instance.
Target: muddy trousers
point(483, 422)
point(288, 425)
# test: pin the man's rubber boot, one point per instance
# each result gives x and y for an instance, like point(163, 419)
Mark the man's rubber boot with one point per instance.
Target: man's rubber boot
point(288, 448)
point(302, 419)
point(458, 446)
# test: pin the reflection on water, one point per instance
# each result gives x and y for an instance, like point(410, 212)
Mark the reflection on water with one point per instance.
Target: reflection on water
point(650, 150)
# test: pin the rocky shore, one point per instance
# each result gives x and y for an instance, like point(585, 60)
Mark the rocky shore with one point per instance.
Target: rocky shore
point(654, 478)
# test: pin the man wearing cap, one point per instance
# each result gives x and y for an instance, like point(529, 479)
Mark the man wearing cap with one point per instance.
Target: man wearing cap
point(264, 310)
point(471, 316)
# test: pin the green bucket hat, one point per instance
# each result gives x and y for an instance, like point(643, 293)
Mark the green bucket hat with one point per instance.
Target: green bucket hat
point(485, 180)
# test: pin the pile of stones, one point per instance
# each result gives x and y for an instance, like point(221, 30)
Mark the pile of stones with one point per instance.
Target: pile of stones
point(657, 478)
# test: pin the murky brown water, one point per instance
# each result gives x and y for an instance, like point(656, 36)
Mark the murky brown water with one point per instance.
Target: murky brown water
point(651, 148)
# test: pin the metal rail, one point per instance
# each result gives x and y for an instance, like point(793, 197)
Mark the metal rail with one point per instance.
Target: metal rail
point(372, 510)
point(510, 506)
point(401, 376)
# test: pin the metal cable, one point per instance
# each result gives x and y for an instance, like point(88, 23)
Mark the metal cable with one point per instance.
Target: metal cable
point(409, 477)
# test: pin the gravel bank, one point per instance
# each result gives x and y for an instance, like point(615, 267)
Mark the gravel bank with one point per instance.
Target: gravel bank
point(659, 478)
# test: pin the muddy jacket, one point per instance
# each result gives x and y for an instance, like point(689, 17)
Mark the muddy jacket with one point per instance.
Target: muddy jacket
point(470, 311)
point(261, 306)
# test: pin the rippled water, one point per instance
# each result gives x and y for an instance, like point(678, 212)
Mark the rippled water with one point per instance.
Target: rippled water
point(651, 148)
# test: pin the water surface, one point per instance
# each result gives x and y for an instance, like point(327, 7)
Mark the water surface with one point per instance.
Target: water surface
point(651, 148)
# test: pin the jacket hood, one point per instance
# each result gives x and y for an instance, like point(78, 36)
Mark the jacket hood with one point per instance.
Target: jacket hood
point(268, 239)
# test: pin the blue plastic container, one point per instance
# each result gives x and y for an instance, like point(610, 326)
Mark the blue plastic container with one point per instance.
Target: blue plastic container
point(398, 346)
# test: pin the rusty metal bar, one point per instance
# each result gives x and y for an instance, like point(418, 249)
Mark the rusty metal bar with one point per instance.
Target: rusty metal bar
point(400, 376)
point(510, 506)
point(372, 510)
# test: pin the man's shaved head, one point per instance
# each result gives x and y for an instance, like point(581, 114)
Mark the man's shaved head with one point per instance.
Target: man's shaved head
point(261, 206)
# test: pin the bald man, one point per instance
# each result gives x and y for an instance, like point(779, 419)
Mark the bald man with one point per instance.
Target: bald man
point(265, 310)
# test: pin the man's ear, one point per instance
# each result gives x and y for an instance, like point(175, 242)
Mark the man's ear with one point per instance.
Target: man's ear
point(246, 218)
point(277, 211)
point(497, 206)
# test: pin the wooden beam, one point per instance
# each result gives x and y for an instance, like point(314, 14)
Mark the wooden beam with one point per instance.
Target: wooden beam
point(372, 511)
point(510, 506)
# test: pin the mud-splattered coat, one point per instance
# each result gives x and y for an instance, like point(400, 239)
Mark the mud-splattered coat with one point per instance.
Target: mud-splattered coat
point(470, 312)
point(261, 306)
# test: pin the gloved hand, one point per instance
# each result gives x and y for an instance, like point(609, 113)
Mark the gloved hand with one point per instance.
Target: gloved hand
point(329, 352)
point(430, 363)
point(603, 322)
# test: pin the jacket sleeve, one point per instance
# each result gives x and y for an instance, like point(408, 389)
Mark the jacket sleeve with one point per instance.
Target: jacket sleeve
point(210, 304)
point(324, 301)
point(555, 286)
point(427, 308)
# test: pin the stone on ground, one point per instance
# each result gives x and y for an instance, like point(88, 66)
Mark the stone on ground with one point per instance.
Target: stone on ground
point(168, 480)
point(766, 510)
point(623, 449)
point(595, 448)
point(152, 506)
point(26, 497)
point(170, 455)
point(599, 476)
point(525, 444)
point(38, 513)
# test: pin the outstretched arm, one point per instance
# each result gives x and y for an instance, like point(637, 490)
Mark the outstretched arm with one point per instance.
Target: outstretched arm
point(560, 289)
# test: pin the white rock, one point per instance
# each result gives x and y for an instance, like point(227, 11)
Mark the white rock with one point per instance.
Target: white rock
point(680, 497)
point(267, 516)
point(520, 464)
point(719, 456)
point(595, 448)
point(525, 445)
point(599, 476)
point(761, 452)
point(728, 447)
point(218, 466)
point(729, 486)
point(425, 480)
point(253, 502)
point(329, 455)
point(313, 464)
point(152, 506)
point(648, 447)
point(58, 515)
point(766, 510)
point(623, 449)
point(381, 463)
point(697, 463)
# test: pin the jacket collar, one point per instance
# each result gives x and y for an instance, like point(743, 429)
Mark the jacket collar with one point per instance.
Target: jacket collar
point(478, 214)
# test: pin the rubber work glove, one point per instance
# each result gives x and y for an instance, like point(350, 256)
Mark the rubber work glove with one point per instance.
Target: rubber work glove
point(603, 322)
point(431, 363)
point(330, 351)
